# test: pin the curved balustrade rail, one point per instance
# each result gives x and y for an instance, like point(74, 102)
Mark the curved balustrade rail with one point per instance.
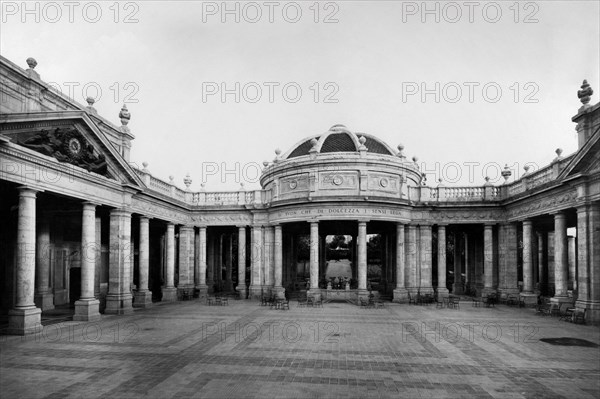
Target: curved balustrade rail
point(487, 192)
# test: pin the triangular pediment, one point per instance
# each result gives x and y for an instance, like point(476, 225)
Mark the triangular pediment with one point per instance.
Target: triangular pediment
point(587, 160)
point(71, 138)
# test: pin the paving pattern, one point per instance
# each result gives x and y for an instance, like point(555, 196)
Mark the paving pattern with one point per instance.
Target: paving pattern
point(188, 349)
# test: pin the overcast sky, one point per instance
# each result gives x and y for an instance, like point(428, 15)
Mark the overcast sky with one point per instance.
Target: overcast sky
point(501, 77)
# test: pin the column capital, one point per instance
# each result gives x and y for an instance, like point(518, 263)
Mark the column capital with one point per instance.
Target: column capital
point(238, 226)
point(186, 228)
point(361, 221)
point(527, 222)
point(488, 226)
point(120, 212)
point(144, 219)
point(26, 191)
point(442, 225)
point(559, 214)
point(89, 204)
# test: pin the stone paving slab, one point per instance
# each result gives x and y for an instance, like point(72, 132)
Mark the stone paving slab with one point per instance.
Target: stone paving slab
point(190, 350)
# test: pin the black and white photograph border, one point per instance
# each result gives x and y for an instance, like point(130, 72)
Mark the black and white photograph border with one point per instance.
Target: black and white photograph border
point(299, 199)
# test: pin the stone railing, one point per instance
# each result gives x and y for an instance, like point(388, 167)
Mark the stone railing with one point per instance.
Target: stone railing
point(425, 194)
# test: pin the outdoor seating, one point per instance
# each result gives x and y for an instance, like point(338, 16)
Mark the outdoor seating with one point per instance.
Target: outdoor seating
point(579, 316)
point(411, 299)
point(441, 302)
point(512, 300)
point(566, 311)
point(543, 308)
point(454, 302)
point(490, 300)
point(477, 302)
point(224, 301)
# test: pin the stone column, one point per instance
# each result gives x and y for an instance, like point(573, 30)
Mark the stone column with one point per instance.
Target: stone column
point(210, 261)
point(411, 258)
point(560, 258)
point(169, 291)
point(314, 260)
point(442, 290)
point(507, 255)
point(278, 262)
point(594, 263)
point(98, 274)
point(119, 298)
point(425, 256)
point(228, 241)
point(588, 261)
point(186, 257)
point(268, 257)
point(400, 292)
point(488, 259)
point(143, 296)
point(457, 286)
point(540, 262)
point(256, 262)
point(202, 287)
point(527, 258)
point(241, 287)
point(44, 299)
point(87, 308)
point(25, 318)
point(362, 259)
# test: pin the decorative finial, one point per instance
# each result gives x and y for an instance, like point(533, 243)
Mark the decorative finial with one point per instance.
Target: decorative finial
point(124, 115)
point(242, 188)
point(90, 101)
point(558, 155)
point(506, 173)
point(145, 165)
point(400, 149)
point(31, 62)
point(172, 180)
point(585, 93)
point(187, 180)
point(526, 167)
point(313, 142)
point(487, 181)
point(440, 182)
point(415, 159)
point(265, 163)
point(202, 186)
point(277, 152)
point(362, 140)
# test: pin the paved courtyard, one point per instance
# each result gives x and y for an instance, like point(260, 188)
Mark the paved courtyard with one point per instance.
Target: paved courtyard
point(188, 349)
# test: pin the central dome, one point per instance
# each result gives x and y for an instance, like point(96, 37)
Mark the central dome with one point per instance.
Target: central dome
point(339, 139)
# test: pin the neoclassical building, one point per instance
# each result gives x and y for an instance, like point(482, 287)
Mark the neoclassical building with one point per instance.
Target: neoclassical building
point(340, 215)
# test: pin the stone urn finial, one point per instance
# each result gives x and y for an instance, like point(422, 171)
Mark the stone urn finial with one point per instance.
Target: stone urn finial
point(187, 180)
point(506, 173)
point(585, 93)
point(31, 62)
point(124, 115)
point(265, 164)
point(277, 152)
point(526, 168)
point(145, 165)
point(172, 180)
point(90, 101)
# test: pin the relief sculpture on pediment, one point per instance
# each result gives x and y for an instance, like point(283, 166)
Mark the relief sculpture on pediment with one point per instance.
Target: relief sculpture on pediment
point(67, 145)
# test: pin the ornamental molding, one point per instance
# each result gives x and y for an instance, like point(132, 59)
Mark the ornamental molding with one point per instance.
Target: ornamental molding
point(546, 204)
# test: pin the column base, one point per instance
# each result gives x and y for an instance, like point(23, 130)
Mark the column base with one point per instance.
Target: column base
point(242, 291)
point(279, 292)
point(142, 299)
point(509, 291)
point(529, 299)
point(559, 299)
point(487, 291)
point(457, 289)
point(169, 294)
point(44, 301)
point(202, 291)
point(426, 290)
point(255, 292)
point(118, 304)
point(443, 292)
point(87, 310)
point(592, 313)
point(362, 294)
point(400, 295)
point(24, 321)
point(315, 293)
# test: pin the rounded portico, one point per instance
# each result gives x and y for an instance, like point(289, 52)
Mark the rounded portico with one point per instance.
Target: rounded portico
point(340, 164)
